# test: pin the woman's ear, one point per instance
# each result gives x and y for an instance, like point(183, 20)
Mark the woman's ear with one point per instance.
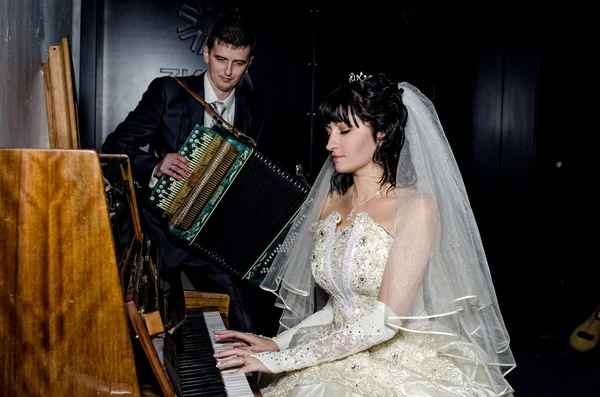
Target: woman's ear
point(379, 137)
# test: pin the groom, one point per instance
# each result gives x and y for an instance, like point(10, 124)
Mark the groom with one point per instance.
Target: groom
point(163, 119)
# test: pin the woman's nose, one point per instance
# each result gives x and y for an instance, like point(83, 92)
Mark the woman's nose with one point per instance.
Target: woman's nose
point(331, 143)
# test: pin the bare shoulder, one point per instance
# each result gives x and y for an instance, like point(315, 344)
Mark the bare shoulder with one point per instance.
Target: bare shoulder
point(331, 202)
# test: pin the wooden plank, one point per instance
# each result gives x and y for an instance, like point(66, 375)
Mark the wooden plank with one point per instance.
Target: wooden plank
point(60, 103)
point(208, 301)
point(69, 84)
point(63, 304)
point(49, 106)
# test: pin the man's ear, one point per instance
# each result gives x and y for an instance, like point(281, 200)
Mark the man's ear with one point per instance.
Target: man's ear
point(249, 63)
point(206, 52)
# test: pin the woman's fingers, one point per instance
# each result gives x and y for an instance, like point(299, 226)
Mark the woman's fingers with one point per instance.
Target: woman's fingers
point(231, 362)
point(234, 357)
point(234, 351)
point(234, 336)
point(244, 365)
point(237, 344)
point(252, 364)
point(223, 332)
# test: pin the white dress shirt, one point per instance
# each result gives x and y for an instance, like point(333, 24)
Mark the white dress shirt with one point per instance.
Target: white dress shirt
point(210, 97)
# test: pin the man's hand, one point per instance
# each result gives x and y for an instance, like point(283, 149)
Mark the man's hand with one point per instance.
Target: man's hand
point(173, 165)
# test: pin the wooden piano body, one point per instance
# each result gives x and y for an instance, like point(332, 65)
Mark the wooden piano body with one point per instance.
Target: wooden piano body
point(64, 331)
point(68, 327)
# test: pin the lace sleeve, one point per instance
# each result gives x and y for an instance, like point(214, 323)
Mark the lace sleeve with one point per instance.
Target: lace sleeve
point(322, 317)
point(368, 330)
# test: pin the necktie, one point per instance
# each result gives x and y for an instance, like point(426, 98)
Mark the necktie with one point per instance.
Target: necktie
point(220, 108)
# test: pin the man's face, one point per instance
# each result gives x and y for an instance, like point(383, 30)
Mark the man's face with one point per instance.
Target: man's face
point(226, 66)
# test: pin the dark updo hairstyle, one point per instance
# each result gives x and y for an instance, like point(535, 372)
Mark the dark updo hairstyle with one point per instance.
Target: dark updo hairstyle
point(377, 102)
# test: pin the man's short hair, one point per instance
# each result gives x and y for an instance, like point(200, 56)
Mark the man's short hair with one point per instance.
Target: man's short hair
point(234, 30)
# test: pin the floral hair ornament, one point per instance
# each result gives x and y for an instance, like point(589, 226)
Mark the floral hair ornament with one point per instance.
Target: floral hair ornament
point(358, 77)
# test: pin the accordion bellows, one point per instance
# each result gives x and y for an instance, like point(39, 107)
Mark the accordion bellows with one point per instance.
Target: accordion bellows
point(234, 207)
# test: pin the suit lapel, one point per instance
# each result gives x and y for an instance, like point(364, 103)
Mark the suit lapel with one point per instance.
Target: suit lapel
point(242, 113)
point(195, 110)
point(197, 85)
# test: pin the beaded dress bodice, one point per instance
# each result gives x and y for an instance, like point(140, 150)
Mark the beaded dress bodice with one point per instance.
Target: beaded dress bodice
point(349, 263)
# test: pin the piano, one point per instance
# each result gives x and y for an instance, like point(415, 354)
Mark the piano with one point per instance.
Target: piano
point(199, 375)
point(70, 324)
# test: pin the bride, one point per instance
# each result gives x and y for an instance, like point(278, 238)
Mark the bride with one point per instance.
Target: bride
point(383, 279)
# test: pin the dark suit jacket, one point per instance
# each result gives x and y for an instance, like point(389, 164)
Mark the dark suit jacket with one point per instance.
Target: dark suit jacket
point(162, 121)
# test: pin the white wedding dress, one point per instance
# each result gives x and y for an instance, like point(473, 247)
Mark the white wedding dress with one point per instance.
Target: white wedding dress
point(349, 265)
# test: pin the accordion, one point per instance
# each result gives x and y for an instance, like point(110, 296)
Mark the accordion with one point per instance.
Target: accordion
point(234, 207)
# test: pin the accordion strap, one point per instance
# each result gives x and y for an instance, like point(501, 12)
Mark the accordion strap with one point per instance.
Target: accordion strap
point(212, 110)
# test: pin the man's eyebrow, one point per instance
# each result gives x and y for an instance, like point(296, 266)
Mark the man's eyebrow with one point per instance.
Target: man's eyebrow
point(235, 60)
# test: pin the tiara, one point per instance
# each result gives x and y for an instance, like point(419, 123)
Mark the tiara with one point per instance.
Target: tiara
point(358, 77)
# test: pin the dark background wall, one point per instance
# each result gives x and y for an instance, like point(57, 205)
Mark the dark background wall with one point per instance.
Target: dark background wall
point(516, 90)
